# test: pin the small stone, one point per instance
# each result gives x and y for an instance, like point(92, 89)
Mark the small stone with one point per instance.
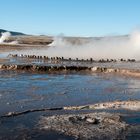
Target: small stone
point(92, 120)
point(94, 68)
point(89, 120)
point(73, 119)
point(83, 117)
point(10, 113)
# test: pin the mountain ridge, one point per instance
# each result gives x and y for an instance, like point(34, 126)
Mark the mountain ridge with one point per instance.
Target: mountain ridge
point(12, 32)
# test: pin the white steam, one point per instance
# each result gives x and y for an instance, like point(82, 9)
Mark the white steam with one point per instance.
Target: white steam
point(97, 48)
point(4, 38)
point(114, 47)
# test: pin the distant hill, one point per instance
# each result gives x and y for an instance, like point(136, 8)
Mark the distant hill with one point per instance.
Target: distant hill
point(12, 32)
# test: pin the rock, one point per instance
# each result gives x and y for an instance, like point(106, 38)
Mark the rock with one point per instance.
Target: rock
point(94, 69)
point(10, 113)
point(82, 126)
point(92, 120)
point(110, 70)
point(77, 119)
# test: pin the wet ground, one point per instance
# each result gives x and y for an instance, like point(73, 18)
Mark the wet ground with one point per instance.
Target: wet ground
point(20, 91)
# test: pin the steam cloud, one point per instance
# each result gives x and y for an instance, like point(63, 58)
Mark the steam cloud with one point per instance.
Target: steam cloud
point(97, 48)
point(4, 37)
point(109, 47)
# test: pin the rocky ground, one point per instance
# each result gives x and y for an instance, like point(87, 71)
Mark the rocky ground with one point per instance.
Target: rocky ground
point(64, 68)
point(87, 126)
point(99, 126)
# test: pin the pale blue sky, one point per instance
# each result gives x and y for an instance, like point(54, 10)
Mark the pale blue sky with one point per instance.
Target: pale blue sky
point(71, 17)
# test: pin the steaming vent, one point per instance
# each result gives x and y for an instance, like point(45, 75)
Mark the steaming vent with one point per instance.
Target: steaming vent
point(5, 38)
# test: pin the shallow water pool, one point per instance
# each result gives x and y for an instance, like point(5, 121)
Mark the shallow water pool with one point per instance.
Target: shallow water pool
point(22, 90)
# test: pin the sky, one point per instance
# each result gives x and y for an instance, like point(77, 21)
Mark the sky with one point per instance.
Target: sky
point(70, 17)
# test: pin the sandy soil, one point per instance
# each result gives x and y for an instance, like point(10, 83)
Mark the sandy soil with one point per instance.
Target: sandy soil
point(10, 47)
point(32, 40)
point(25, 43)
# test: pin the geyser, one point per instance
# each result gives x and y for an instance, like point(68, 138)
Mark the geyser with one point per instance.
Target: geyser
point(114, 47)
point(4, 37)
point(109, 47)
